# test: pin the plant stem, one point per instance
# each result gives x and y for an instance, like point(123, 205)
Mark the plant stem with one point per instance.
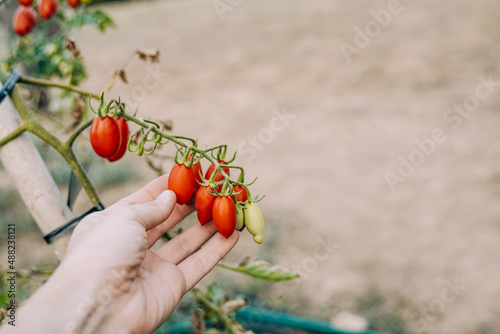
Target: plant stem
point(78, 131)
point(224, 319)
point(229, 267)
point(12, 135)
point(47, 83)
point(178, 141)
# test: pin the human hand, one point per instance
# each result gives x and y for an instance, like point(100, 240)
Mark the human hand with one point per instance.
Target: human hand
point(116, 283)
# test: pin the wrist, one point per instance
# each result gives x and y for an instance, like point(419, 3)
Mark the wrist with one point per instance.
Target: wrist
point(64, 304)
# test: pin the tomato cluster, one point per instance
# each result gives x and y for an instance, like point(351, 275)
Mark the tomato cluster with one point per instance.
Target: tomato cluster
point(25, 18)
point(228, 205)
point(109, 137)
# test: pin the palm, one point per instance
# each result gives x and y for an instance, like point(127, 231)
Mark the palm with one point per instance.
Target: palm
point(146, 286)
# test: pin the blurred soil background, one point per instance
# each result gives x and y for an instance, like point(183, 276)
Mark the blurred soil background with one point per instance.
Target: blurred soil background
point(393, 253)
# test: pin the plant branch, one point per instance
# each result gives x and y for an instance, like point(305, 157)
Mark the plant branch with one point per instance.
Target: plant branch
point(63, 149)
point(178, 141)
point(81, 128)
point(47, 83)
point(223, 318)
point(12, 135)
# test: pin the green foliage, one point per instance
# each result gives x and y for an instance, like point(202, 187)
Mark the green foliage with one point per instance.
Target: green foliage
point(97, 18)
point(46, 60)
point(46, 53)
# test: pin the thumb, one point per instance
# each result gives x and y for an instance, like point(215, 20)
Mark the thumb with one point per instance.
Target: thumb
point(155, 212)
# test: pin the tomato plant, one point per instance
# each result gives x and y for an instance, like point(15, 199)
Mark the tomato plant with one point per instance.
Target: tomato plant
point(122, 148)
point(105, 136)
point(43, 52)
point(224, 215)
point(24, 20)
point(182, 182)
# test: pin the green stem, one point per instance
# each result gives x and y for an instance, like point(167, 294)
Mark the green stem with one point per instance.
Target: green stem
point(178, 141)
point(78, 131)
point(147, 125)
point(229, 267)
point(47, 83)
point(14, 134)
point(224, 319)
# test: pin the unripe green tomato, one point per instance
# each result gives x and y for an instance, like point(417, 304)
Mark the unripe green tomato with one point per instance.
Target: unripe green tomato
point(240, 218)
point(254, 222)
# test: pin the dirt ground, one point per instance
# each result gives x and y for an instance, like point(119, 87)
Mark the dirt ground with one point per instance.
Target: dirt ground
point(323, 134)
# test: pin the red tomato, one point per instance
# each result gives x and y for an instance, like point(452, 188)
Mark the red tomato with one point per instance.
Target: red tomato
point(242, 196)
point(73, 3)
point(25, 2)
point(105, 136)
point(182, 182)
point(123, 126)
point(204, 203)
point(218, 176)
point(224, 215)
point(197, 172)
point(47, 8)
point(24, 20)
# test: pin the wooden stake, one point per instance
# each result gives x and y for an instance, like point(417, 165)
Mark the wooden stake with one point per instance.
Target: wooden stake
point(32, 179)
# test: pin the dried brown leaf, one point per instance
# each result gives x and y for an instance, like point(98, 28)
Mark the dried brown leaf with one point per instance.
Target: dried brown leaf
point(233, 305)
point(77, 115)
point(198, 321)
point(123, 75)
point(72, 47)
point(168, 125)
point(153, 56)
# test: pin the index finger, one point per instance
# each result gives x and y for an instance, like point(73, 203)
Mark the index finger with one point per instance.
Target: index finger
point(148, 193)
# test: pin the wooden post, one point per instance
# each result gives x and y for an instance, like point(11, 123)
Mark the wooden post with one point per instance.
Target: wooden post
point(32, 179)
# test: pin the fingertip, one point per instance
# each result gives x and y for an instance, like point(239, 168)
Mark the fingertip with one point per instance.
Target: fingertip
point(233, 238)
point(167, 196)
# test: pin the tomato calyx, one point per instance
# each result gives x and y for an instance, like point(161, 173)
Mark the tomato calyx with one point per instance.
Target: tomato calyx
point(111, 109)
point(221, 155)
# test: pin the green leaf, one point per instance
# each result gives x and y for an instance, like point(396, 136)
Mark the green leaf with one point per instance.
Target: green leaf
point(263, 270)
